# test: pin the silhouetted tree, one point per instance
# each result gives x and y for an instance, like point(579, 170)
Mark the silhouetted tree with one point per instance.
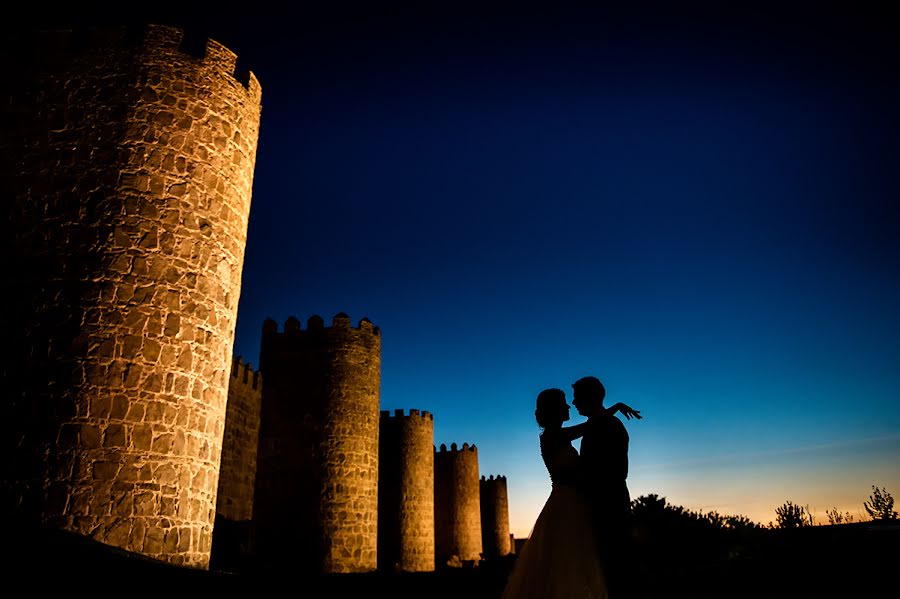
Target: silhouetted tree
point(790, 515)
point(741, 523)
point(668, 534)
point(836, 517)
point(880, 505)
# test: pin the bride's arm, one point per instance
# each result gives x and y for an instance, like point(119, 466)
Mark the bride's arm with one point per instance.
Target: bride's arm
point(575, 431)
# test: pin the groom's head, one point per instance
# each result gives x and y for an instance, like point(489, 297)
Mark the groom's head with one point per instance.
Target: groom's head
point(587, 396)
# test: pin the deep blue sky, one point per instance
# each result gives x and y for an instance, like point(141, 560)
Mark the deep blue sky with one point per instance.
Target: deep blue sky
point(700, 208)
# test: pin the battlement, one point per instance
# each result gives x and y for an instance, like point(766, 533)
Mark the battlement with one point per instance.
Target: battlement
point(499, 477)
point(244, 373)
point(54, 46)
point(413, 413)
point(316, 324)
point(453, 448)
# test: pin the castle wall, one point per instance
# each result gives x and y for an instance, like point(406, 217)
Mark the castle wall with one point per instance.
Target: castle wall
point(495, 537)
point(237, 473)
point(126, 167)
point(457, 506)
point(406, 492)
point(316, 501)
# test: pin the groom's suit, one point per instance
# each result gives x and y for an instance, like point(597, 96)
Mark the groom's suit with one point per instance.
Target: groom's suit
point(604, 469)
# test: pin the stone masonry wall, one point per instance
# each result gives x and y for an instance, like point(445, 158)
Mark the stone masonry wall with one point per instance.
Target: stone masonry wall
point(495, 517)
point(316, 502)
point(237, 473)
point(457, 505)
point(406, 492)
point(126, 166)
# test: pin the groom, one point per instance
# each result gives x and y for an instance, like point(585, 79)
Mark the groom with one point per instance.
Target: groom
point(604, 464)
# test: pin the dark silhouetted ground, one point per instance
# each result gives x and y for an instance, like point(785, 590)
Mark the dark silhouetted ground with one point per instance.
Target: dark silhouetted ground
point(844, 561)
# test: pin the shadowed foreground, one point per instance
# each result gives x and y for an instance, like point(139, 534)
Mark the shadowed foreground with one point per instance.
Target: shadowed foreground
point(827, 561)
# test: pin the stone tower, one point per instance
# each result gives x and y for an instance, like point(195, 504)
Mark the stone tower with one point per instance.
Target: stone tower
point(457, 507)
point(406, 492)
point(126, 167)
point(494, 517)
point(237, 474)
point(316, 502)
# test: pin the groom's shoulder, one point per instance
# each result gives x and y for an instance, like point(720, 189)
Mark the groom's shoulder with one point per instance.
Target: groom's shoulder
point(613, 421)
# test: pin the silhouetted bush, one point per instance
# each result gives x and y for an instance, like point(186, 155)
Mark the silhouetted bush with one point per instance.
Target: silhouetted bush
point(836, 517)
point(790, 515)
point(880, 505)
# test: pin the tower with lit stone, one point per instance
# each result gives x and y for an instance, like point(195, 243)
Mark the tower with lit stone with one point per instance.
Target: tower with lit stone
point(316, 500)
point(457, 505)
point(406, 492)
point(126, 167)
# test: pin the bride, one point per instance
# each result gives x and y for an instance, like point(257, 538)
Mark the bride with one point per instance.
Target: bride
point(560, 559)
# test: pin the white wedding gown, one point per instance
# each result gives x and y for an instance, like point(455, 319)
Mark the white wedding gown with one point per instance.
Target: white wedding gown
point(560, 558)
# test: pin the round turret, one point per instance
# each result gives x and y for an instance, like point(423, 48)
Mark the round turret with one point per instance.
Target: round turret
point(406, 492)
point(316, 501)
point(494, 517)
point(457, 506)
point(128, 167)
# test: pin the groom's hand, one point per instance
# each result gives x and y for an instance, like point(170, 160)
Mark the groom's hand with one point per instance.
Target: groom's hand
point(629, 413)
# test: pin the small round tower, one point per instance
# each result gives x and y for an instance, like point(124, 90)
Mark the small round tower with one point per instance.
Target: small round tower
point(127, 165)
point(457, 505)
point(316, 500)
point(406, 492)
point(494, 517)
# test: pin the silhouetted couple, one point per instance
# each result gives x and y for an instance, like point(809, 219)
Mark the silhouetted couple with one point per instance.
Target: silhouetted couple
point(579, 544)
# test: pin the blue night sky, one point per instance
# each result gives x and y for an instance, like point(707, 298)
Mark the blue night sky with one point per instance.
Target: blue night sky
point(700, 209)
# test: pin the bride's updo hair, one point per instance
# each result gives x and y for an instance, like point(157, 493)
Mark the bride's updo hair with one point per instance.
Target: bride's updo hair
point(548, 402)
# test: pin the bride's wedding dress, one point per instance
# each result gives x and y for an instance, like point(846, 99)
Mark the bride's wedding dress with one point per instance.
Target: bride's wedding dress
point(560, 558)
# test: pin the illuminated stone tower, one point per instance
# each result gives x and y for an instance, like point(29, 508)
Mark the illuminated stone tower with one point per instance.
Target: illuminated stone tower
point(495, 538)
point(237, 474)
point(457, 506)
point(316, 502)
point(406, 492)
point(126, 168)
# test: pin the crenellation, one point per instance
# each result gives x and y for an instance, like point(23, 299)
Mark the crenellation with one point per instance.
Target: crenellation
point(401, 413)
point(242, 374)
point(340, 322)
point(59, 46)
point(453, 446)
point(292, 325)
point(220, 58)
